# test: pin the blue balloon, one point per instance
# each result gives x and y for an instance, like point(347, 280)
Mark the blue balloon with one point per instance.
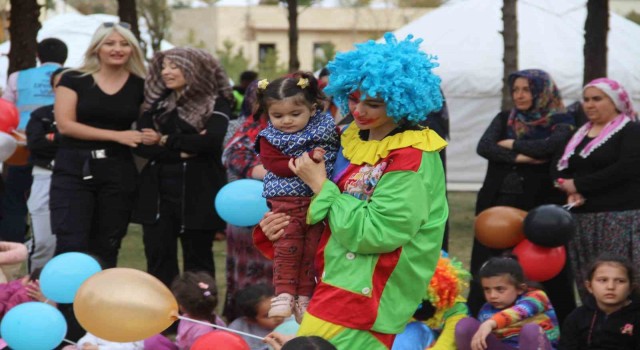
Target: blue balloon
point(416, 336)
point(288, 327)
point(33, 326)
point(62, 276)
point(240, 202)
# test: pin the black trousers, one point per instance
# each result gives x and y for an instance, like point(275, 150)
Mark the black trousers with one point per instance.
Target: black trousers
point(161, 245)
point(91, 214)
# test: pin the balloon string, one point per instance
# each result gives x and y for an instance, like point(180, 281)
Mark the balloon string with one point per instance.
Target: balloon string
point(69, 341)
point(220, 327)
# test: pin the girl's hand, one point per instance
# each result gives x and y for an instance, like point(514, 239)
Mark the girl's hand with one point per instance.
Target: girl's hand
point(129, 138)
point(33, 290)
point(575, 199)
point(567, 185)
point(507, 143)
point(311, 172)
point(479, 340)
point(318, 154)
point(277, 340)
point(150, 137)
point(89, 346)
point(273, 224)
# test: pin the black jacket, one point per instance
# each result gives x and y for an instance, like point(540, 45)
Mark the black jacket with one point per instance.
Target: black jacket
point(530, 183)
point(40, 125)
point(202, 175)
point(617, 331)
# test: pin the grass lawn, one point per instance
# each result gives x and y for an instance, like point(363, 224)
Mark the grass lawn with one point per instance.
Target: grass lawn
point(461, 215)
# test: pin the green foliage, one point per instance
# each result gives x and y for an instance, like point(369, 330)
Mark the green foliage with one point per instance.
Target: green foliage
point(157, 14)
point(419, 3)
point(192, 41)
point(233, 61)
point(354, 3)
point(634, 17)
point(323, 54)
point(270, 68)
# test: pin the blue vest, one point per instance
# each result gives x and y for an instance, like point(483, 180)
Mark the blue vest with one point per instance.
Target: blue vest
point(34, 91)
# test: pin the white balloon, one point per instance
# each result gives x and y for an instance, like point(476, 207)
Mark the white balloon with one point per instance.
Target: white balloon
point(8, 146)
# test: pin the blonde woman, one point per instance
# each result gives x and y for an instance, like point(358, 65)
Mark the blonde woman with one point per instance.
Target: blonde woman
point(94, 176)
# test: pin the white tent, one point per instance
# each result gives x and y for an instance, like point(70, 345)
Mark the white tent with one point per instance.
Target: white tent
point(75, 30)
point(465, 35)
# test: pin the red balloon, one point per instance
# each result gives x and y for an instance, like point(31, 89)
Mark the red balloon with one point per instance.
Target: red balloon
point(220, 340)
point(500, 227)
point(9, 116)
point(540, 263)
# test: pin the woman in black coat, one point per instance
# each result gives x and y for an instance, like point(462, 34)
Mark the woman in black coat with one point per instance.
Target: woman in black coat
point(519, 145)
point(185, 117)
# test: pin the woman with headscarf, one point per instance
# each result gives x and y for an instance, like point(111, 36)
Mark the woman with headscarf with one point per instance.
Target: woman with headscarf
point(600, 173)
point(185, 116)
point(245, 266)
point(519, 145)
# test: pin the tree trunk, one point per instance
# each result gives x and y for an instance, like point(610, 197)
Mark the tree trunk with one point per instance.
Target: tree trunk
point(596, 28)
point(510, 59)
point(23, 31)
point(128, 13)
point(294, 63)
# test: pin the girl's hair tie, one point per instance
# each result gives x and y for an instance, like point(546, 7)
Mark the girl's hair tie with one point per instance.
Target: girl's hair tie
point(262, 84)
point(303, 83)
point(204, 286)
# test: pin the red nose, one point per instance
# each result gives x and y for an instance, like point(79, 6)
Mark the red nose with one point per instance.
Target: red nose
point(356, 114)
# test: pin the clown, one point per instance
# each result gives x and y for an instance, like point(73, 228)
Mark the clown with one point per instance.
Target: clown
point(385, 208)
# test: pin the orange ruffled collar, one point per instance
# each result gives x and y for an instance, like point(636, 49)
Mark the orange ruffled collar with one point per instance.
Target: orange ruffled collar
point(358, 151)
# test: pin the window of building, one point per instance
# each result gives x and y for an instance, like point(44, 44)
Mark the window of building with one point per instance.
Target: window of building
point(264, 50)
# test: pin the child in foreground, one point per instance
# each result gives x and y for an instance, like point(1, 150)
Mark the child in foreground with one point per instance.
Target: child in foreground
point(197, 298)
point(297, 125)
point(253, 303)
point(514, 317)
point(610, 317)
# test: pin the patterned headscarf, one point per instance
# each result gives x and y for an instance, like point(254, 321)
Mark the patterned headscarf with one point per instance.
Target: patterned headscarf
point(616, 93)
point(621, 100)
point(536, 122)
point(206, 81)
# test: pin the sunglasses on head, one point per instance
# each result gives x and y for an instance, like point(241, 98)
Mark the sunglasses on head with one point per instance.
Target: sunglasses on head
point(124, 25)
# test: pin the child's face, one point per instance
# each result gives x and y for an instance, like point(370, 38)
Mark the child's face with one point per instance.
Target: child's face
point(500, 291)
point(262, 317)
point(610, 286)
point(288, 116)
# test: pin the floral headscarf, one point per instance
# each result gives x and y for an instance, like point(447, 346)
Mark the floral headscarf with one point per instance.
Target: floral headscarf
point(621, 100)
point(536, 122)
point(206, 81)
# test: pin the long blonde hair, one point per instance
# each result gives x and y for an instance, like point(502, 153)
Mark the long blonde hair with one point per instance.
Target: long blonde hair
point(91, 62)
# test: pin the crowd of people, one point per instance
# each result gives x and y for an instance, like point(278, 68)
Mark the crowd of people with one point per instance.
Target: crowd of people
point(353, 169)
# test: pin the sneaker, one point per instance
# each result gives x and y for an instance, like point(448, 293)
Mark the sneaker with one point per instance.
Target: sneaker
point(300, 308)
point(281, 305)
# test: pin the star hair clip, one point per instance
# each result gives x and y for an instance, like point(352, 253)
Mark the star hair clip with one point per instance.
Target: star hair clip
point(303, 83)
point(262, 84)
point(204, 286)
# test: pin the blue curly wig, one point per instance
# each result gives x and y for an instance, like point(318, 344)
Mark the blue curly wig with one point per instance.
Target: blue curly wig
point(395, 71)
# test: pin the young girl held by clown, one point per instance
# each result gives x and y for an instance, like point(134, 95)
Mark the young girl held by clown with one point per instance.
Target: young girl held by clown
point(515, 316)
point(297, 125)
